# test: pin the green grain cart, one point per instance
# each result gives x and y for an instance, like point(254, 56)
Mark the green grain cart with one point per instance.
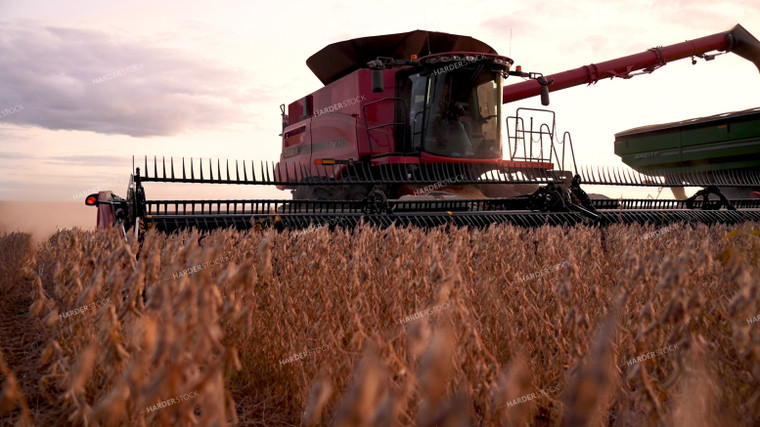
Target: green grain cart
point(715, 144)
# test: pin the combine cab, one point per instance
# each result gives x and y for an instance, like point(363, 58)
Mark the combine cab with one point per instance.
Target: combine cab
point(408, 130)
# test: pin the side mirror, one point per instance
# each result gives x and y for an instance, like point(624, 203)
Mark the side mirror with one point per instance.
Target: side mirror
point(378, 85)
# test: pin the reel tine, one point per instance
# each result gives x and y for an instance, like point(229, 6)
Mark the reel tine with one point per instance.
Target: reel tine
point(629, 176)
point(616, 175)
point(171, 159)
point(746, 176)
point(729, 179)
point(753, 177)
point(738, 178)
point(439, 172)
point(742, 178)
point(638, 177)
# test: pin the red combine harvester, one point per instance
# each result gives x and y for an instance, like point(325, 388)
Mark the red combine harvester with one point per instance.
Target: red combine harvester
point(408, 130)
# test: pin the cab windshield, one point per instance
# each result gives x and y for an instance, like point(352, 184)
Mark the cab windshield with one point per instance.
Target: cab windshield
point(456, 113)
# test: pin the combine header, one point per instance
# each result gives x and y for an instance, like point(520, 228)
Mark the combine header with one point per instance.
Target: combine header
point(408, 130)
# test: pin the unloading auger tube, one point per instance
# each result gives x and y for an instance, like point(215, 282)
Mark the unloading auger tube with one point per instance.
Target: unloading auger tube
point(737, 40)
point(352, 180)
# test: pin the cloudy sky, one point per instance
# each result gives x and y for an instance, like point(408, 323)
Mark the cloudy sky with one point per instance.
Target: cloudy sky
point(86, 85)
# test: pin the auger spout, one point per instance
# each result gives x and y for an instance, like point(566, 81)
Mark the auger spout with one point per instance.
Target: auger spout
point(744, 44)
point(738, 40)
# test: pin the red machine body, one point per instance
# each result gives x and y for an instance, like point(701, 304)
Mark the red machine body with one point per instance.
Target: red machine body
point(334, 127)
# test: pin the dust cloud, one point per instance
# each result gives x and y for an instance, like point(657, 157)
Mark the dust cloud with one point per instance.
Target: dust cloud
point(41, 219)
